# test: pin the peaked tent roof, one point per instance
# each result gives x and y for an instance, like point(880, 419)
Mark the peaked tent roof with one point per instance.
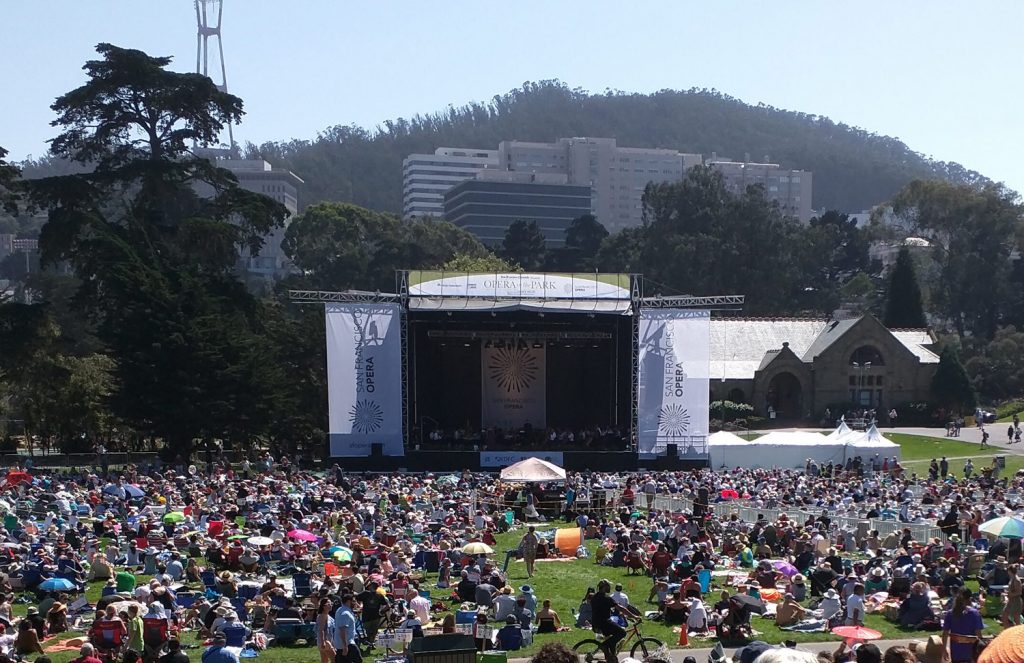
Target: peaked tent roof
point(533, 470)
point(724, 438)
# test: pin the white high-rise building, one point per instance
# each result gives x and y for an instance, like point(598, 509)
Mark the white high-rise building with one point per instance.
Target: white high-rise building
point(617, 176)
point(790, 188)
point(427, 177)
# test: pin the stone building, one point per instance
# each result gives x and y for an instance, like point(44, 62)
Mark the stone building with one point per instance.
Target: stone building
point(800, 367)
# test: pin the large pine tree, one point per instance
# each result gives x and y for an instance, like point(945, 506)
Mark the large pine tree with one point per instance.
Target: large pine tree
point(951, 387)
point(903, 307)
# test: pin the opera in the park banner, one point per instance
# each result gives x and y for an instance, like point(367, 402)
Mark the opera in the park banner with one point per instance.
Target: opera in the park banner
point(674, 370)
point(514, 390)
point(364, 378)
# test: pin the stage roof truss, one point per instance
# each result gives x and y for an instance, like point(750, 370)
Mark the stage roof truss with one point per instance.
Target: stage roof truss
point(344, 297)
point(721, 302)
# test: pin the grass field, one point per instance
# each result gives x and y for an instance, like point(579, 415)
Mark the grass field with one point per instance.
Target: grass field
point(917, 451)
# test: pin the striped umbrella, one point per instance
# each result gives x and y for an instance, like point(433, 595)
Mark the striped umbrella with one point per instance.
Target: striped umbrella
point(1011, 528)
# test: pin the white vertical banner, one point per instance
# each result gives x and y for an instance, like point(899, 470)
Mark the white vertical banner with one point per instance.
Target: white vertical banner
point(674, 369)
point(364, 378)
point(514, 386)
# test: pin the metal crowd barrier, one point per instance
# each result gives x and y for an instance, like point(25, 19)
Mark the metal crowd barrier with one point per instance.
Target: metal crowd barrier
point(76, 460)
point(746, 513)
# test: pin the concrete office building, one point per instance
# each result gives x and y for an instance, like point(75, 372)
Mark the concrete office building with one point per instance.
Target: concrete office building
point(488, 204)
point(258, 176)
point(616, 175)
point(426, 177)
point(790, 188)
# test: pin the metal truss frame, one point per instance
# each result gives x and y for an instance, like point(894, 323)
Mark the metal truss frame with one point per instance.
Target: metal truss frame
point(687, 301)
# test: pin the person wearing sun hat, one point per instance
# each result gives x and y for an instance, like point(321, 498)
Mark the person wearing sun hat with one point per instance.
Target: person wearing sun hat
point(798, 587)
point(1008, 647)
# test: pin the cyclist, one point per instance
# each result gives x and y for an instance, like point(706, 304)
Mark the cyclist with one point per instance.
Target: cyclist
point(603, 607)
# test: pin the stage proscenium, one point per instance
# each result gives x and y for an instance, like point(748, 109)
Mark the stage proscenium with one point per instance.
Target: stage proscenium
point(673, 372)
point(364, 378)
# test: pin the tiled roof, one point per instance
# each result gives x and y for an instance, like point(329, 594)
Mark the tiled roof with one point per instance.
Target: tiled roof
point(742, 346)
point(916, 341)
point(739, 344)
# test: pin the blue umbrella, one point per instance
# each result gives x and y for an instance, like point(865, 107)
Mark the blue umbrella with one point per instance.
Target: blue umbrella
point(57, 585)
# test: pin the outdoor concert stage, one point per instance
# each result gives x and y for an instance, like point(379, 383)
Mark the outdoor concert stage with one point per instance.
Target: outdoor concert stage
point(477, 371)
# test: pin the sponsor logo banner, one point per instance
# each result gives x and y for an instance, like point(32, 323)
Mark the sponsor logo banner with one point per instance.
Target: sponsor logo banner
point(514, 390)
point(364, 378)
point(506, 458)
point(516, 285)
point(674, 367)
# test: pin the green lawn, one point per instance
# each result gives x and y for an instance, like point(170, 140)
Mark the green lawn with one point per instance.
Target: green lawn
point(917, 451)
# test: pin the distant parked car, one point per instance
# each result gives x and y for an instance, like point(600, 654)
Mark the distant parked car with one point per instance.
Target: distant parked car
point(987, 416)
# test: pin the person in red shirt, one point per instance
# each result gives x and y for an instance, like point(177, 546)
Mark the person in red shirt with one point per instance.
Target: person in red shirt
point(661, 560)
point(87, 655)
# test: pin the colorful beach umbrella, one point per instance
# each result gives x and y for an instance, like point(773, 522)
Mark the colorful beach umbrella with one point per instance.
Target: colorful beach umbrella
point(174, 517)
point(477, 548)
point(302, 535)
point(785, 568)
point(1009, 527)
point(343, 555)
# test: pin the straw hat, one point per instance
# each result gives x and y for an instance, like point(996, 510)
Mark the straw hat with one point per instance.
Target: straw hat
point(1008, 647)
point(799, 579)
point(878, 572)
point(831, 594)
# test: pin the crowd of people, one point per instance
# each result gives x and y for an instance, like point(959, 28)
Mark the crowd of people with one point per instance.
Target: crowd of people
point(593, 438)
point(245, 555)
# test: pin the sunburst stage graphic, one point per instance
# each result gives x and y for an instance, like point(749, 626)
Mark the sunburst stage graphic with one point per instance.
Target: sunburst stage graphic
point(366, 417)
point(673, 420)
point(513, 369)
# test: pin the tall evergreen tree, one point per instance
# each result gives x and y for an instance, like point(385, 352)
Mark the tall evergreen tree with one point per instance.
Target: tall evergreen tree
point(903, 307)
point(951, 387)
point(524, 245)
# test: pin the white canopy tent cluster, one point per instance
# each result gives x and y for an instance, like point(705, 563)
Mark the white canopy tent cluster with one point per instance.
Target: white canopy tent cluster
point(791, 449)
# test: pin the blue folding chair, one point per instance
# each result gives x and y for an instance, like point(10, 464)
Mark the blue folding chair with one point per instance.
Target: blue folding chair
point(209, 579)
point(303, 588)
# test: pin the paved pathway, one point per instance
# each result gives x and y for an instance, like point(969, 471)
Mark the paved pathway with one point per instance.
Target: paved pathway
point(702, 654)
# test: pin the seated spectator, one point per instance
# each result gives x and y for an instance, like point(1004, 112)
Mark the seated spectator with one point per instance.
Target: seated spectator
point(916, 608)
point(547, 619)
point(510, 636)
point(676, 609)
point(789, 611)
point(697, 619)
point(798, 587)
point(876, 582)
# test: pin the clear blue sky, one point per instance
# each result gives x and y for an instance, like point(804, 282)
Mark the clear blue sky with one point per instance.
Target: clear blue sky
point(945, 77)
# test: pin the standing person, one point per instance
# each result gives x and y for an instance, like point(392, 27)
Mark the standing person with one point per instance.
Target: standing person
point(528, 544)
point(345, 633)
point(603, 607)
point(855, 606)
point(961, 628)
point(325, 632)
point(1014, 602)
point(135, 629)
point(943, 468)
point(892, 418)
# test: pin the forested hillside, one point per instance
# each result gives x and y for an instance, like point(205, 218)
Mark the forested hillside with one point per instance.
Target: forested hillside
point(853, 169)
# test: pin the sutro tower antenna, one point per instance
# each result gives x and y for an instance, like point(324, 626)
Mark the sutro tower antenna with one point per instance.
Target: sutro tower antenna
point(206, 12)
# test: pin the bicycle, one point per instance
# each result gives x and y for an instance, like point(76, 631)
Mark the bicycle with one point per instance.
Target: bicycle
point(592, 649)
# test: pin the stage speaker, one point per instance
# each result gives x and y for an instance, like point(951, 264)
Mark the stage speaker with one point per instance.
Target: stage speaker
point(672, 450)
point(376, 449)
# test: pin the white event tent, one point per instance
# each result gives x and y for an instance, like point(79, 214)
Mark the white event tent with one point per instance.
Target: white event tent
point(791, 449)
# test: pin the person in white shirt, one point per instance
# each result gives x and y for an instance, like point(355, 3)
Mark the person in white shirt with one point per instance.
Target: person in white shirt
point(698, 617)
point(419, 605)
point(620, 597)
point(855, 606)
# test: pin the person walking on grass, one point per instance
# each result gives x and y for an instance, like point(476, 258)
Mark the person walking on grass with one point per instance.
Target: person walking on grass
point(528, 544)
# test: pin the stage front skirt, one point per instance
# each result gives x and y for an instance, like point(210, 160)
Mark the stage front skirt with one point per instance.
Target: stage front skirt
point(364, 378)
point(674, 368)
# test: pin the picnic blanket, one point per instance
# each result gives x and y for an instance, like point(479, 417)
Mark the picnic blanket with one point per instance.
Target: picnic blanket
point(807, 626)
